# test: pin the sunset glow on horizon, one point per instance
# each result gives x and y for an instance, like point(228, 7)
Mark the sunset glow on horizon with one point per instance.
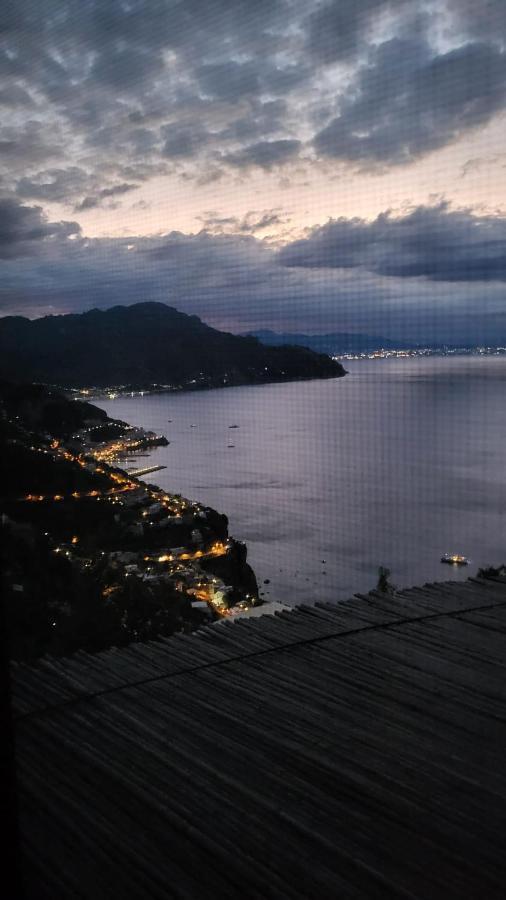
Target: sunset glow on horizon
point(203, 155)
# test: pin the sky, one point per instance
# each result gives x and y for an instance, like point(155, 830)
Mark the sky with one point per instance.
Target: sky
point(284, 164)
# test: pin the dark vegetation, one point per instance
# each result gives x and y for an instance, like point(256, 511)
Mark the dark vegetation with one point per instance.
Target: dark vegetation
point(145, 345)
point(35, 472)
point(492, 572)
point(384, 585)
point(39, 409)
point(53, 607)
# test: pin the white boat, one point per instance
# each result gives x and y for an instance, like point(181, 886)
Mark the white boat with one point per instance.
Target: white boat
point(455, 559)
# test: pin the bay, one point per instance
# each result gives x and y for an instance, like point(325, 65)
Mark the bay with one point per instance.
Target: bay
point(395, 464)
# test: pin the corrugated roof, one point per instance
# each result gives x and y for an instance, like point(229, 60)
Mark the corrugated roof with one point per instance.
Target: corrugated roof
point(354, 750)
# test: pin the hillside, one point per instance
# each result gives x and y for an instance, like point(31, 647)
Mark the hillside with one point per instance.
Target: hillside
point(42, 410)
point(144, 345)
point(91, 556)
point(333, 343)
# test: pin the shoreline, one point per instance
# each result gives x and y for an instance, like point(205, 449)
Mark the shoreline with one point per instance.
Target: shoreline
point(117, 393)
point(329, 507)
point(134, 560)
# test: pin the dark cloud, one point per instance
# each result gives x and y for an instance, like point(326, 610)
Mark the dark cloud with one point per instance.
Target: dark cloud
point(15, 96)
point(100, 69)
point(339, 29)
point(235, 281)
point(229, 80)
point(267, 220)
point(54, 185)
point(29, 144)
point(117, 190)
point(73, 184)
point(127, 43)
point(141, 141)
point(117, 84)
point(210, 176)
point(262, 119)
point(251, 223)
point(100, 97)
point(486, 19)
point(142, 171)
point(436, 243)
point(264, 154)
point(125, 68)
point(24, 228)
point(407, 102)
point(184, 142)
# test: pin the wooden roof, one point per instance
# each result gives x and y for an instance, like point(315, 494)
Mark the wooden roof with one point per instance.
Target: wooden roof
point(348, 751)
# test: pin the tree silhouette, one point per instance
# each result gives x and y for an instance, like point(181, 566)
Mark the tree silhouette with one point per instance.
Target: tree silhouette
point(384, 585)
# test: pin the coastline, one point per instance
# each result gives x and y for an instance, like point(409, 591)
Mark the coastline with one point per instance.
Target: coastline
point(133, 561)
point(92, 394)
point(314, 475)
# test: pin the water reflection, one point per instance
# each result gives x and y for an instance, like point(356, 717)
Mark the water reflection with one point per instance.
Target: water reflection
point(396, 464)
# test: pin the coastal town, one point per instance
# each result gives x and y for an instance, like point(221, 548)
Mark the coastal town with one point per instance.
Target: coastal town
point(407, 353)
point(144, 508)
point(131, 536)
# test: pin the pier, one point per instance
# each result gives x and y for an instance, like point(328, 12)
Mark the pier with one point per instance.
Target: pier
point(146, 471)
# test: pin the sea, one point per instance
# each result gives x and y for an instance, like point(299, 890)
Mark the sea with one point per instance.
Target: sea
point(395, 464)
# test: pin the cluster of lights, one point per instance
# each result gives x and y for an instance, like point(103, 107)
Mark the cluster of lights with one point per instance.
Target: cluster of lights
point(79, 495)
point(422, 351)
point(217, 549)
point(113, 449)
point(174, 504)
point(126, 484)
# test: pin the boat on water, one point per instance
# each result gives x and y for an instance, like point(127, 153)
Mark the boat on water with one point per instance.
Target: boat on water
point(455, 559)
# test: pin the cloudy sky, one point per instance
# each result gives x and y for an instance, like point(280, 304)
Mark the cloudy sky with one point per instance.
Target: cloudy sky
point(296, 165)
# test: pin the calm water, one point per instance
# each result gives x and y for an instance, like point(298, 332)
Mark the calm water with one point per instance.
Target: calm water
point(393, 465)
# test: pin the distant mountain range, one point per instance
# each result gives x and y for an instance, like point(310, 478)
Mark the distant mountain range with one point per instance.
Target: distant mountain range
point(146, 345)
point(332, 344)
